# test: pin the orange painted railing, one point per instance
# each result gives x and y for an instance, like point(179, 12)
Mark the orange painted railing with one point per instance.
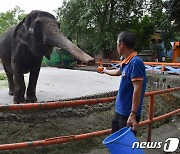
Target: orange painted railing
point(54, 105)
point(163, 65)
point(65, 139)
point(153, 63)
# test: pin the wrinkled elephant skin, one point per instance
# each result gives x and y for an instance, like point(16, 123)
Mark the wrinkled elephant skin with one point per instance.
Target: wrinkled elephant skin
point(23, 46)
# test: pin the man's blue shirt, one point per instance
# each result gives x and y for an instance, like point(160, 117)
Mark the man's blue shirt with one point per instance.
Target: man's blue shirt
point(132, 69)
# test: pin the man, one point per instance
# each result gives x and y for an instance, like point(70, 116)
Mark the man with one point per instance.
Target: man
point(128, 105)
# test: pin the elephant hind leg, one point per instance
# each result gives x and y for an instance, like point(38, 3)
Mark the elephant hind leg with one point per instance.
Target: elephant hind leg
point(10, 81)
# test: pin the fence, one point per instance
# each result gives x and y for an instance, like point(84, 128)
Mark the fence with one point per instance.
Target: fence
point(165, 68)
point(159, 67)
point(65, 139)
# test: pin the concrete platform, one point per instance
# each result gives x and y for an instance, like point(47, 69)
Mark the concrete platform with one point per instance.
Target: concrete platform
point(56, 84)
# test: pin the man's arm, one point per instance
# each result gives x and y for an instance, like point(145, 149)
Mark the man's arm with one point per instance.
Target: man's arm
point(114, 72)
point(135, 103)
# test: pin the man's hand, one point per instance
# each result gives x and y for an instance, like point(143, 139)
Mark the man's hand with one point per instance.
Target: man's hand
point(114, 72)
point(101, 69)
point(132, 121)
point(104, 70)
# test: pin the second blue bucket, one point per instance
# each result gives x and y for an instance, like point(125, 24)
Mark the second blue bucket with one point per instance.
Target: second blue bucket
point(121, 142)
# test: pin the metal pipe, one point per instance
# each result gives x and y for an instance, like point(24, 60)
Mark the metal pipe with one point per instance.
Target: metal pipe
point(164, 116)
point(150, 117)
point(142, 123)
point(146, 122)
point(163, 68)
point(65, 139)
point(162, 63)
point(50, 105)
point(152, 63)
point(51, 141)
point(161, 91)
point(63, 104)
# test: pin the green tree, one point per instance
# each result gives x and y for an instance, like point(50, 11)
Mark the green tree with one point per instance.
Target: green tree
point(161, 15)
point(143, 29)
point(173, 10)
point(10, 18)
point(95, 24)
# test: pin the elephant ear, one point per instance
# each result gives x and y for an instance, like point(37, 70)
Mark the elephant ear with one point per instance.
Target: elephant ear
point(18, 27)
point(34, 26)
point(36, 38)
point(29, 30)
point(21, 30)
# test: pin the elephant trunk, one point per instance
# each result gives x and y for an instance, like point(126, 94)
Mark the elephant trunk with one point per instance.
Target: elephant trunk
point(57, 39)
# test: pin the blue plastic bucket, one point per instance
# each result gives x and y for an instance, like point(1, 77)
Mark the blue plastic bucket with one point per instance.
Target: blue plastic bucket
point(121, 142)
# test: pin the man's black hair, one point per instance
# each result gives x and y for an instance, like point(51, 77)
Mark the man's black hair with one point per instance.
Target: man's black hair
point(128, 39)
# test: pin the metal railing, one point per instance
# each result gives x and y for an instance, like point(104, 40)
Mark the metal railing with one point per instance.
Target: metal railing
point(65, 139)
point(159, 67)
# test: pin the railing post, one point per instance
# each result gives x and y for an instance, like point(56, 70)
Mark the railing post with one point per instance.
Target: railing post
point(150, 117)
point(162, 68)
point(153, 70)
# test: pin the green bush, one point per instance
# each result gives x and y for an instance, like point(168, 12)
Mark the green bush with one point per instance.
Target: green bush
point(55, 60)
point(3, 76)
point(68, 60)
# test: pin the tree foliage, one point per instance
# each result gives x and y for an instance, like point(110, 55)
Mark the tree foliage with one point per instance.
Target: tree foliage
point(10, 18)
point(173, 19)
point(173, 10)
point(95, 24)
point(165, 17)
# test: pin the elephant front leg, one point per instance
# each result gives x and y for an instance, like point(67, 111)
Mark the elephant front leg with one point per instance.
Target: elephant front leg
point(20, 87)
point(31, 90)
point(10, 81)
point(11, 84)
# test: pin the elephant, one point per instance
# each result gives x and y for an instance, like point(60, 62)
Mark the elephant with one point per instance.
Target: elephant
point(23, 46)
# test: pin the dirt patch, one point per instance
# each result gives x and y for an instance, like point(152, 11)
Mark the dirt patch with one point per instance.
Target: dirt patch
point(42, 124)
point(38, 124)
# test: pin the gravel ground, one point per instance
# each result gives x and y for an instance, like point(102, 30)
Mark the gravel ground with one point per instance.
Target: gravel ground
point(41, 124)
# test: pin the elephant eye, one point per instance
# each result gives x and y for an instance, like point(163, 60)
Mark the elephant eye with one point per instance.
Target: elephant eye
point(31, 30)
point(59, 25)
